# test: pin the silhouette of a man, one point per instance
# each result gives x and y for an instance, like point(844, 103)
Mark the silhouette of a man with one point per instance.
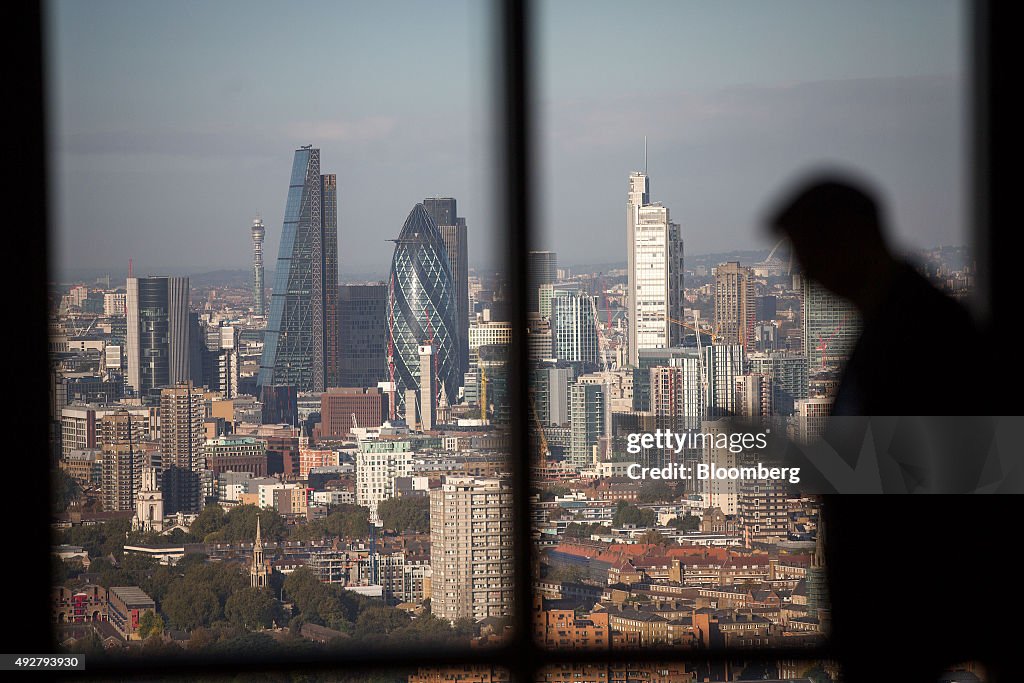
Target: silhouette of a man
point(910, 357)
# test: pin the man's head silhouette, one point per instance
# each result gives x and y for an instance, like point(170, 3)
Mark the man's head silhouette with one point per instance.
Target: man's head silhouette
point(837, 235)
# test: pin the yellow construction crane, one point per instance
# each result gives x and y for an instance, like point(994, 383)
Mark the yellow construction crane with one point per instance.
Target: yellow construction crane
point(689, 326)
point(544, 450)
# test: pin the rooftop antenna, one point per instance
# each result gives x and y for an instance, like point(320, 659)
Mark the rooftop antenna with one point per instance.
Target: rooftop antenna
point(645, 155)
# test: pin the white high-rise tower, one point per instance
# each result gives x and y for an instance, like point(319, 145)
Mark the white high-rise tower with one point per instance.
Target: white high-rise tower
point(655, 260)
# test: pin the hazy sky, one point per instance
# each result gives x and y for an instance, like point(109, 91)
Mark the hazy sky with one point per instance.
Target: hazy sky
point(174, 122)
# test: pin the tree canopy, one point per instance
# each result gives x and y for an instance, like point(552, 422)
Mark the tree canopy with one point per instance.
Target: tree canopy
point(626, 513)
point(405, 513)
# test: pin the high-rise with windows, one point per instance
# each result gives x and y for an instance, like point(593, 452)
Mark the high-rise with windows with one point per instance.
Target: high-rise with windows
point(362, 334)
point(301, 340)
point(654, 247)
point(735, 305)
point(573, 328)
point(453, 233)
point(158, 333)
point(541, 270)
point(182, 411)
point(422, 308)
point(587, 419)
point(471, 548)
point(831, 328)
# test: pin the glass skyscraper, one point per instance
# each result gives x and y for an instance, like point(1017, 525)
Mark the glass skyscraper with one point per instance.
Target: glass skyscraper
point(301, 340)
point(422, 308)
point(157, 333)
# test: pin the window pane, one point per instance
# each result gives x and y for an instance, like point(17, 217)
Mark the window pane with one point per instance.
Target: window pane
point(664, 309)
point(279, 328)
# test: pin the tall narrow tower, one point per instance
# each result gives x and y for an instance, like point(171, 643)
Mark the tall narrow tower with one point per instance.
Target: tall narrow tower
point(258, 571)
point(258, 233)
point(654, 246)
point(300, 346)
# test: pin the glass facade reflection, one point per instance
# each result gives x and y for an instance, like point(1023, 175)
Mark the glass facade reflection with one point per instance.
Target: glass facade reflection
point(300, 344)
point(422, 308)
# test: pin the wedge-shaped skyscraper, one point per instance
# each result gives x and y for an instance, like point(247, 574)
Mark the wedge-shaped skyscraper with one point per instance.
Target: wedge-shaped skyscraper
point(422, 309)
point(300, 345)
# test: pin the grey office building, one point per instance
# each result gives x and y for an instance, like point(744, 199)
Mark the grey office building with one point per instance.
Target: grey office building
point(363, 334)
point(541, 269)
point(158, 333)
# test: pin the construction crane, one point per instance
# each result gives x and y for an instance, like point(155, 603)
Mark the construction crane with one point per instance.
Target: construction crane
point(606, 386)
point(700, 363)
point(355, 424)
point(545, 452)
point(823, 343)
point(483, 392)
point(714, 337)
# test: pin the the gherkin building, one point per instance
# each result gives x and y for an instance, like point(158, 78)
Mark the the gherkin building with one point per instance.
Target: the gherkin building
point(422, 307)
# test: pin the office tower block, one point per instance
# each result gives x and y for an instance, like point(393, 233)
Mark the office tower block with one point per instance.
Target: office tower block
point(280, 405)
point(362, 334)
point(220, 360)
point(573, 328)
point(341, 406)
point(787, 371)
point(422, 308)
point(182, 411)
point(119, 436)
point(258, 291)
point(550, 386)
point(158, 333)
point(675, 393)
point(453, 233)
point(754, 395)
point(492, 366)
point(718, 492)
point(735, 305)
point(541, 270)
point(428, 387)
point(586, 418)
point(471, 549)
point(831, 328)
point(723, 363)
point(654, 247)
point(763, 515)
point(301, 339)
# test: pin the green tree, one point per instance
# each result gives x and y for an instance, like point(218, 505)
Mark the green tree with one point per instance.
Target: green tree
point(687, 522)
point(654, 537)
point(251, 608)
point(240, 525)
point(189, 606)
point(348, 521)
point(377, 621)
point(150, 624)
point(65, 490)
point(655, 491)
point(211, 519)
point(631, 514)
point(405, 513)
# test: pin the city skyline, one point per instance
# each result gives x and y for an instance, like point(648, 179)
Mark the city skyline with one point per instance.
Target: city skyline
point(725, 124)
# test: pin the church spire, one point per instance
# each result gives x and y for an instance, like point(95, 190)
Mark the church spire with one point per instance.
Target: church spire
point(258, 572)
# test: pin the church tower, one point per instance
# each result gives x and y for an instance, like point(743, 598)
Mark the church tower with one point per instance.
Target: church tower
point(258, 572)
point(149, 503)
